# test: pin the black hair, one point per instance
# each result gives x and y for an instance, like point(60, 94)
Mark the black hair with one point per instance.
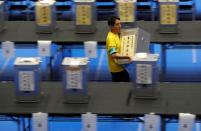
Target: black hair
point(111, 20)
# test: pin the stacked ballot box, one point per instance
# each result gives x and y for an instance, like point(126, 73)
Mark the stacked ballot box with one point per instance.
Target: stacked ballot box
point(168, 16)
point(45, 16)
point(75, 80)
point(85, 16)
point(27, 79)
point(126, 11)
point(146, 74)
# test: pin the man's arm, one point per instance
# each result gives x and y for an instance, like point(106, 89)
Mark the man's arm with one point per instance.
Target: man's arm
point(118, 56)
point(115, 55)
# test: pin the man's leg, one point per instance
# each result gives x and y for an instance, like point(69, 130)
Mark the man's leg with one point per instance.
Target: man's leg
point(122, 76)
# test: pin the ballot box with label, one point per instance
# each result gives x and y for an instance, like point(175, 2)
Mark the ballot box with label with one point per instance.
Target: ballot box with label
point(126, 11)
point(84, 16)
point(152, 122)
point(168, 16)
point(146, 76)
point(186, 122)
point(27, 79)
point(133, 40)
point(75, 79)
point(89, 122)
point(45, 16)
point(39, 121)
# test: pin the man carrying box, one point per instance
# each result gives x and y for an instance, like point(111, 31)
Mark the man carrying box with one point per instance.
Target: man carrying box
point(118, 72)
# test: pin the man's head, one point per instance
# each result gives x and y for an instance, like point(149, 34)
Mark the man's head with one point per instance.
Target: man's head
point(114, 24)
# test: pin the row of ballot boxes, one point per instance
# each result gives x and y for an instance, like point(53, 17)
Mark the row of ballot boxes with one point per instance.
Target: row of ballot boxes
point(27, 79)
point(75, 82)
point(151, 122)
point(84, 15)
point(75, 70)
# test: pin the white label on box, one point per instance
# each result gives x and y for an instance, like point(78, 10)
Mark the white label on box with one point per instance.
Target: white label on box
point(83, 15)
point(186, 122)
point(126, 12)
point(90, 49)
point(40, 122)
point(152, 122)
point(26, 80)
point(43, 14)
point(128, 45)
point(44, 48)
point(8, 49)
point(143, 74)
point(168, 14)
point(74, 78)
point(89, 122)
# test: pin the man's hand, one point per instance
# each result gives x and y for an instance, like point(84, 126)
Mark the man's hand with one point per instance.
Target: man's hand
point(118, 56)
point(128, 58)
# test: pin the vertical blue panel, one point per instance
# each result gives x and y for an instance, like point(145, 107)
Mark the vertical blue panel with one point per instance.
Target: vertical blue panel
point(198, 9)
point(183, 63)
point(56, 59)
point(8, 126)
point(180, 63)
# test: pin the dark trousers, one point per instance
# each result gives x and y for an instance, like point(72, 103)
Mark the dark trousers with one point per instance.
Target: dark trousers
point(122, 76)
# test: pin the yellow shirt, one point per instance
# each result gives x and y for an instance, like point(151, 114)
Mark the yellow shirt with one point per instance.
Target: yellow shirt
point(113, 41)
